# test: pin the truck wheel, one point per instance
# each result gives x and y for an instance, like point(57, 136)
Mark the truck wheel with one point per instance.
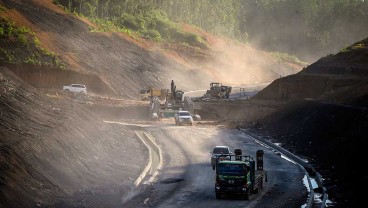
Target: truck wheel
point(246, 195)
point(218, 196)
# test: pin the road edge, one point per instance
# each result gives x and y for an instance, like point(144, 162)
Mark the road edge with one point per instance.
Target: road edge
point(152, 147)
point(159, 151)
point(305, 166)
point(149, 164)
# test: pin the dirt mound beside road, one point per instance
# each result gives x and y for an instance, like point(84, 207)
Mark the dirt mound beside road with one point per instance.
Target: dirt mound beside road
point(332, 137)
point(55, 150)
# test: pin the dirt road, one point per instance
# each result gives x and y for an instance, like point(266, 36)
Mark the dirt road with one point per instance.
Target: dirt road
point(187, 179)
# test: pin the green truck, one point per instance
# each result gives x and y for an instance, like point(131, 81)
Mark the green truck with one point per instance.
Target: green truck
point(238, 175)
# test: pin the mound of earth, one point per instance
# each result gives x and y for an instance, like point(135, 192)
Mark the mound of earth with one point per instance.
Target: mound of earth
point(54, 150)
point(335, 77)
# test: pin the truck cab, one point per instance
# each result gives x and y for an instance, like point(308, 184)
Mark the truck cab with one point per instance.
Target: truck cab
point(232, 177)
point(239, 176)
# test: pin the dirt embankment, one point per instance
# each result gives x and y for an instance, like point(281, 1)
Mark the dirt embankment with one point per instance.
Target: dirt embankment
point(51, 78)
point(55, 152)
point(326, 119)
point(332, 137)
point(312, 86)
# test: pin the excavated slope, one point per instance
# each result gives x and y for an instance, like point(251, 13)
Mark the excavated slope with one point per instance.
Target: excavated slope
point(54, 150)
point(128, 64)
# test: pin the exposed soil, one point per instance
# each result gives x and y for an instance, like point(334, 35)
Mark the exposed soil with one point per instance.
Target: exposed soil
point(128, 64)
point(54, 148)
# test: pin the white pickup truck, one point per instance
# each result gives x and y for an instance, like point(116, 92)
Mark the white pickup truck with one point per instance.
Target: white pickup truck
point(78, 88)
point(183, 117)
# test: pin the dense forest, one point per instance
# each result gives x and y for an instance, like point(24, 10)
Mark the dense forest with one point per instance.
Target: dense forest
point(306, 28)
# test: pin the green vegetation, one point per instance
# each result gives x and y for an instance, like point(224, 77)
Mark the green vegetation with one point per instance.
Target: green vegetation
point(281, 57)
point(300, 27)
point(357, 46)
point(154, 24)
point(20, 45)
point(148, 22)
point(2, 8)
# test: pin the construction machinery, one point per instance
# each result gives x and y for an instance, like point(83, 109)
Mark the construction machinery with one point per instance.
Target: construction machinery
point(175, 100)
point(150, 93)
point(218, 91)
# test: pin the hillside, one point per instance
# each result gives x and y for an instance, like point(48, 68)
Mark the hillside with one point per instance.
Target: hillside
point(59, 153)
point(53, 150)
point(325, 119)
point(337, 78)
point(127, 64)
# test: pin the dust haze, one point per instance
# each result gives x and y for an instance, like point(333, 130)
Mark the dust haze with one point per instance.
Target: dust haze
point(238, 64)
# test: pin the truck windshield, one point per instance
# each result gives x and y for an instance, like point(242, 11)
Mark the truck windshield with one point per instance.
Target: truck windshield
point(184, 114)
point(231, 169)
point(220, 151)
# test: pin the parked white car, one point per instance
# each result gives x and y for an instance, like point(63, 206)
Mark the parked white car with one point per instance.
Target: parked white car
point(183, 117)
point(78, 88)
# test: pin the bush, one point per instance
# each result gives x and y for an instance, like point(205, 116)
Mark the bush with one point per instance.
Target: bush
point(20, 45)
point(152, 34)
point(155, 25)
point(286, 57)
point(131, 22)
point(190, 38)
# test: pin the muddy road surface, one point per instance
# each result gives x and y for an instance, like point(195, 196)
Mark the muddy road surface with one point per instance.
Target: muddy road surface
point(187, 178)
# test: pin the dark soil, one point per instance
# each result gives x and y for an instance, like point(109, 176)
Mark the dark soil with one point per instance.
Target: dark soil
point(332, 137)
